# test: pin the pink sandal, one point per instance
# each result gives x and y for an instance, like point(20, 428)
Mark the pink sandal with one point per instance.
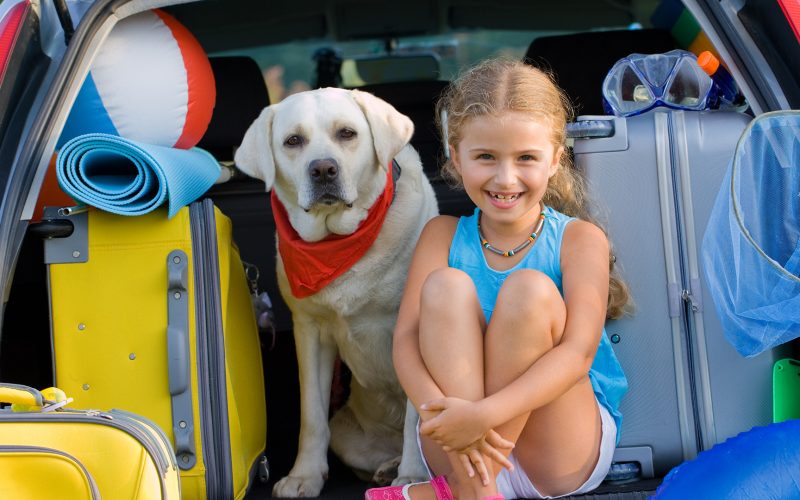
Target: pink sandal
point(440, 488)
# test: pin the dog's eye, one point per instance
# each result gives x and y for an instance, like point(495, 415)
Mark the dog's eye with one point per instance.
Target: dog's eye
point(293, 141)
point(346, 133)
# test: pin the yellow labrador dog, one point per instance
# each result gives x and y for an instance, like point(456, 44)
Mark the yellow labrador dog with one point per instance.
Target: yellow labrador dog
point(350, 194)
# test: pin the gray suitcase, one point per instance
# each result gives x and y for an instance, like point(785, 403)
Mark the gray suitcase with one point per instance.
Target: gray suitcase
point(654, 180)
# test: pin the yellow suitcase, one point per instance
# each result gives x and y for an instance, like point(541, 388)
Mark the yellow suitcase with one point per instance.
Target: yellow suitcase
point(154, 315)
point(49, 451)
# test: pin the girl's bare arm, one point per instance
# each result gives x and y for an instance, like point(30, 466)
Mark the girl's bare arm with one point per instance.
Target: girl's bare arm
point(430, 254)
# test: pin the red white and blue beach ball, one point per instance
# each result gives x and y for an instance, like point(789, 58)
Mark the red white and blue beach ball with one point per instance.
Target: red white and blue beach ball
point(151, 82)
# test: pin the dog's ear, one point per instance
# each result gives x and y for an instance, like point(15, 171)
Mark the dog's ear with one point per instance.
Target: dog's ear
point(254, 156)
point(391, 130)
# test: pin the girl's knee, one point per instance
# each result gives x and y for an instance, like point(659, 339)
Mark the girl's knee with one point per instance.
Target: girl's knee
point(447, 286)
point(530, 297)
point(530, 290)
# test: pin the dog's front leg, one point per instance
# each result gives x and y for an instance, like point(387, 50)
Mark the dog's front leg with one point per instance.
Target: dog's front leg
point(315, 358)
point(412, 466)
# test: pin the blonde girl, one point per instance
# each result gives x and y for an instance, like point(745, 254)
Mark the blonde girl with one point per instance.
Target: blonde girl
point(499, 340)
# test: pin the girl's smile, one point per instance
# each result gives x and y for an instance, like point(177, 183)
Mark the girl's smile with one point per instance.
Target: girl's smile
point(504, 198)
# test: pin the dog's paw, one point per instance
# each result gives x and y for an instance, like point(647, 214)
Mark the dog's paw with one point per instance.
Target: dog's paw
point(298, 487)
point(386, 472)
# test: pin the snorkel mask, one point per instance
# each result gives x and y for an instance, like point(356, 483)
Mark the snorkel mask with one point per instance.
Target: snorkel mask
point(640, 82)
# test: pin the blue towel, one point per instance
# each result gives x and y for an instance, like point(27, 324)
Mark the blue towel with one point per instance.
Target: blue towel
point(132, 178)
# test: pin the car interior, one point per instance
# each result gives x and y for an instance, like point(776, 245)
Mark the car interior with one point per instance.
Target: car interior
point(403, 52)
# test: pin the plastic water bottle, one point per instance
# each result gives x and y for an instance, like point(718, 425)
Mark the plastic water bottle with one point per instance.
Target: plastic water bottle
point(727, 89)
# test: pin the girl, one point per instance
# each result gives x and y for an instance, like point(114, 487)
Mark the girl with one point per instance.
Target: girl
point(499, 340)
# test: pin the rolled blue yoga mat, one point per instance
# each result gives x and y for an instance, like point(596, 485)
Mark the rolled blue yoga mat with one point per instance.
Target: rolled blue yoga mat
point(127, 177)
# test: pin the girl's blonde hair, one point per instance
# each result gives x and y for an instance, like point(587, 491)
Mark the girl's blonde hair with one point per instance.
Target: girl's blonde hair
point(498, 85)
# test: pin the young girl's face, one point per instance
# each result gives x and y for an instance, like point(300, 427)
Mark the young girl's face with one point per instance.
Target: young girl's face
point(505, 163)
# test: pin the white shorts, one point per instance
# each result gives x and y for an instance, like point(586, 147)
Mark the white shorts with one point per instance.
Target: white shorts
point(517, 484)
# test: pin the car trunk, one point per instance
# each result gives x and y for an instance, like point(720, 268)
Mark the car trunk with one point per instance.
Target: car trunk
point(755, 41)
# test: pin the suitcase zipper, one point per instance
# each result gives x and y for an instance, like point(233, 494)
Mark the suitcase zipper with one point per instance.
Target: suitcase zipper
point(52, 451)
point(686, 397)
point(212, 387)
point(690, 278)
point(689, 282)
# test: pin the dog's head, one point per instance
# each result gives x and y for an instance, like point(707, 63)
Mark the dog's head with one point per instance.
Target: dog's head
point(326, 154)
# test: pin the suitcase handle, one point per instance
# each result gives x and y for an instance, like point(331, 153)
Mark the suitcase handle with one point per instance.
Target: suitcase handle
point(52, 228)
point(20, 395)
point(590, 127)
point(178, 353)
point(27, 399)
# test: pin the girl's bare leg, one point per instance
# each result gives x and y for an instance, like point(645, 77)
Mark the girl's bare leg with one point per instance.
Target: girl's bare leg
point(451, 344)
point(558, 444)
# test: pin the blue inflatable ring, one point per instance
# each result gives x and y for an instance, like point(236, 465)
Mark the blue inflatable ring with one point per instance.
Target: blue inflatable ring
point(762, 463)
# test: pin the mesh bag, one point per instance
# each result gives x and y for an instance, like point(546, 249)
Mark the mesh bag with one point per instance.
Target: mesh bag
point(751, 247)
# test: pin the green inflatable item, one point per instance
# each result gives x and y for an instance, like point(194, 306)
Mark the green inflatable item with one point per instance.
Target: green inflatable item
point(785, 390)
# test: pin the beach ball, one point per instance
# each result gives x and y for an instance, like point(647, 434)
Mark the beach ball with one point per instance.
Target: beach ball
point(151, 82)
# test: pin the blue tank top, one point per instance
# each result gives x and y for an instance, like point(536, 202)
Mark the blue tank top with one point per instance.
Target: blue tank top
point(608, 380)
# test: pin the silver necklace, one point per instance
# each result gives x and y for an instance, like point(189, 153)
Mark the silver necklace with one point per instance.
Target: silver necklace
point(509, 253)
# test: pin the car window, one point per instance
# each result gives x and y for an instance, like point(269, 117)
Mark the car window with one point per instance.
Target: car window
point(291, 67)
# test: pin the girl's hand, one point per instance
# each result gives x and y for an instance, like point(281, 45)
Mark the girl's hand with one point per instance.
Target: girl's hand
point(472, 457)
point(491, 445)
point(458, 424)
point(471, 460)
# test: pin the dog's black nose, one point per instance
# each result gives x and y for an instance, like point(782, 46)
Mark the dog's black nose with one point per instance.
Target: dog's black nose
point(323, 171)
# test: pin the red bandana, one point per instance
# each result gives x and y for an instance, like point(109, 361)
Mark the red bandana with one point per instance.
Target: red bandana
point(310, 267)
